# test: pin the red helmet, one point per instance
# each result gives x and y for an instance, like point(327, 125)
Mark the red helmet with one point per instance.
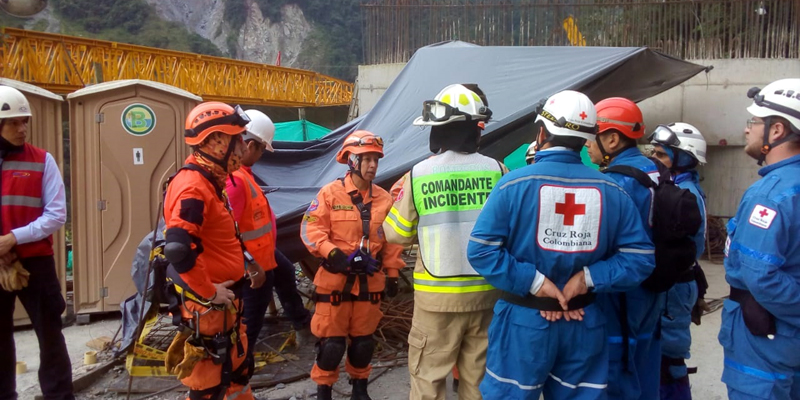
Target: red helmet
point(213, 116)
point(622, 115)
point(360, 142)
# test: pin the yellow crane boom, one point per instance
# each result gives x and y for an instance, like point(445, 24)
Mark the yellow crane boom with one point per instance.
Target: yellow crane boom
point(63, 64)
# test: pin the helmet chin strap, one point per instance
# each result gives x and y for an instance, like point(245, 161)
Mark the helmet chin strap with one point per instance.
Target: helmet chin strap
point(224, 162)
point(607, 157)
point(355, 168)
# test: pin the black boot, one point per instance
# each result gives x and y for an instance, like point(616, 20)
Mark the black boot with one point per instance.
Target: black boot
point(324, 392)
point(359, 389)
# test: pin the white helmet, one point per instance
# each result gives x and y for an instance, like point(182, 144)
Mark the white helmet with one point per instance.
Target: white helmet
point(531, 153)
point(683, 136)
point(569, 113)
point(453, 103)
point(260, 128)
point(780, 98)
point(13, 103)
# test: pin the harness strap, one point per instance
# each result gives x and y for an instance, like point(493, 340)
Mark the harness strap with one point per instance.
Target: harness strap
point(365, 213)
point(364, 210)
point(222, 196)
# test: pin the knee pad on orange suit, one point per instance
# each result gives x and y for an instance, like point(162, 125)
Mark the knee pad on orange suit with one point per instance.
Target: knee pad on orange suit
point(330, 351)
point(360, 351)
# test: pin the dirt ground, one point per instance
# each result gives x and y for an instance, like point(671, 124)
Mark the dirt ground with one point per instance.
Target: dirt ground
point(391, 384)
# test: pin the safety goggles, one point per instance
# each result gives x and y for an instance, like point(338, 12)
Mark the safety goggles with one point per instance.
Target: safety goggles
point(238, 118)
point(665, 136)
point(758, 98)
point(563, 123)
point(367, 141)
point(437, 111)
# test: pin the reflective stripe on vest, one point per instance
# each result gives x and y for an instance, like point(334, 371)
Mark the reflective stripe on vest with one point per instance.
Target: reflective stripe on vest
point(255, 223)
point(449, 192)
point(21, 200)
point(426, 283)
point(258, 232)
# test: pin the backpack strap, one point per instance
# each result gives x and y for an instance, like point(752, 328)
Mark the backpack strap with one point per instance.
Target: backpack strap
point(634, 173)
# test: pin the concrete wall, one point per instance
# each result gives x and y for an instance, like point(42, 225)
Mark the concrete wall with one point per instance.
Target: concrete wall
point(715, 103)
point(372, 81)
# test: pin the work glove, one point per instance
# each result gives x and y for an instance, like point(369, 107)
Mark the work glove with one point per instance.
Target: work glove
point(362, 263)
point(337, 262)
point(175, 351)
point(392, 287)
point(699, 308)
point(191, 356)
point(13, 277)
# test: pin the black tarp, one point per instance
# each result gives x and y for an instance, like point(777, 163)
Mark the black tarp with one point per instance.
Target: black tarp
point(514, 80)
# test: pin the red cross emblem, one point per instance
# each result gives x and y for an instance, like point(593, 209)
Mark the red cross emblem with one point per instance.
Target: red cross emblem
point(763, 213)
point(583, 115)
point(569, 209)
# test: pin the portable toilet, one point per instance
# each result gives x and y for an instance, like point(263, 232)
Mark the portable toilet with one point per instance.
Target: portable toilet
point(126, 139)
point(44, 131)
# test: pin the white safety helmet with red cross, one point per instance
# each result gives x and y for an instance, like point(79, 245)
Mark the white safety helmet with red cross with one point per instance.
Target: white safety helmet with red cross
point(260, 129)
point(453, 103)
point(569, 113)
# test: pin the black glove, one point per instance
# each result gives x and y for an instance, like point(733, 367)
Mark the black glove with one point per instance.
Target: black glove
point(391, 287)
point(699, 308)
point(337, 262)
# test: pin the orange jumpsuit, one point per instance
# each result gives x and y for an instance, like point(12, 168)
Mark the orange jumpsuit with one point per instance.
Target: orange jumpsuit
point(192, 206)
point(333, 221)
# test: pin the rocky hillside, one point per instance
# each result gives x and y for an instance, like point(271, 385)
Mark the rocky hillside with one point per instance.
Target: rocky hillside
point(319, 35)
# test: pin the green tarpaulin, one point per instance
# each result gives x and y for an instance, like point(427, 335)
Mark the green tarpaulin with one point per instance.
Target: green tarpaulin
point(299, 131)
point(517, 158)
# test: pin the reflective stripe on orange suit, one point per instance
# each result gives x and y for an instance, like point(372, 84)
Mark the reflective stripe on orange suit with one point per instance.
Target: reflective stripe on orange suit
point(221, 260)
point(333, 221)
point(255, 222)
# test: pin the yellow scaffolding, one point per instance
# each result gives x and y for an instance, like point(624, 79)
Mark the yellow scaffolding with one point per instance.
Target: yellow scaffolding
point(63, 64)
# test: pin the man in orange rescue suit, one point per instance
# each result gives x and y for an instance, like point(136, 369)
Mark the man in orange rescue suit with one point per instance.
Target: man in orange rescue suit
point(33, 208)
point(207, 262)
point(343, 226)
point(437, 207)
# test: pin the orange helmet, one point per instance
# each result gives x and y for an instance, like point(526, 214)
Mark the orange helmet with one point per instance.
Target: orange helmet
point(213, 116)
point(360, 142)
point(622, 115)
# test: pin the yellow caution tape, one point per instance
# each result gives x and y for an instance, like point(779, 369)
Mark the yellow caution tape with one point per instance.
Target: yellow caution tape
point(143, 352)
